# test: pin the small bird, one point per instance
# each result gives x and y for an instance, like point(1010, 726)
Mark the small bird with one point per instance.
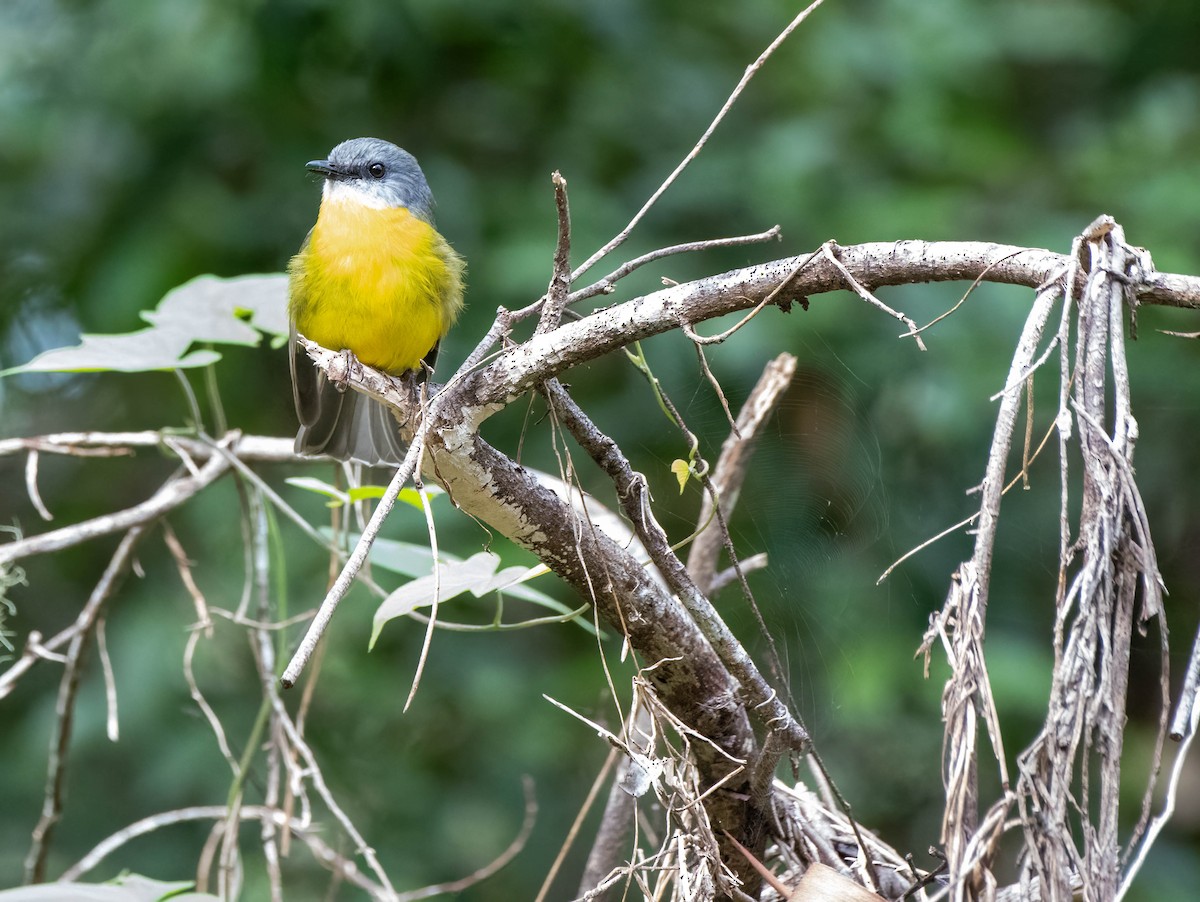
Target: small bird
point(375, 278)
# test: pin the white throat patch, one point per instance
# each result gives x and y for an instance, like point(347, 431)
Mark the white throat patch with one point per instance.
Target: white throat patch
point(353, 192)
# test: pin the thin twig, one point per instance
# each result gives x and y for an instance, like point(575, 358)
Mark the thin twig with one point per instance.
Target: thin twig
point(576, 825)
point(353, 564)
point(214, 722)
point(169, 496)
point(700, 340)
point(730, 575)
point(346, 868)
point(31, 486)
point(863, 292)
point(431, 531)
point(514, 848)
point(1020, 477)
point(184, 568)
point(716, 387)
point(619, 817)
point(56, 769)
point(966, 294)
point(111, 722)
point(317, 779)
point(750, 72)
point(630, 490)
point(608, 283)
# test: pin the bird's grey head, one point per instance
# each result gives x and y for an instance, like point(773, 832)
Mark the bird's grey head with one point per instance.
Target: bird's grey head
point(377, 173)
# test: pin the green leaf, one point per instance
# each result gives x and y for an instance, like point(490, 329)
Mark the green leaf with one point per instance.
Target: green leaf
point(365, 492)
point(409, 496)
point(338, 497)
point(413, 498)
point(682, 471)
point(207, 309)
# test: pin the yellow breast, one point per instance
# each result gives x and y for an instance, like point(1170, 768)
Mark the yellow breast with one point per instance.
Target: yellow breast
point(380, 282)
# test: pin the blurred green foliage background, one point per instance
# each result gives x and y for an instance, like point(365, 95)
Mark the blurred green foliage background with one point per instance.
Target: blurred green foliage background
point(144, 143)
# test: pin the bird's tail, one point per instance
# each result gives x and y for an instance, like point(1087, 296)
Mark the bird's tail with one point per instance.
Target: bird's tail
point(352, 426)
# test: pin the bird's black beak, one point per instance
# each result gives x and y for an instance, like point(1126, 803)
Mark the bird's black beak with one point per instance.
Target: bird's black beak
point(324, 168)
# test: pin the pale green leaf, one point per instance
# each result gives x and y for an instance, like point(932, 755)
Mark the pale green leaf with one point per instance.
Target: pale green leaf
point(453, 579)
point(320, 487)
point(406, 558)
point(132, 352)
point(125, 888)
point(681, 470)
point(207, 309)
point(479, 574)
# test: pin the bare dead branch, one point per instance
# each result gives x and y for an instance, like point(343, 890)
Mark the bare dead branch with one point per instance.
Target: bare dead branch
point(733, 463)
point(764, 702)
point(249, 448)
point(515, 371)
point(630, 491)
point(733, 574)
point(560, 280)
point(489, 486)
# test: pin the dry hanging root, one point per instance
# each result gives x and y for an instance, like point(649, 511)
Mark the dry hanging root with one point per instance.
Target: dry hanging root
point(1067, 786)
point(1108, 581)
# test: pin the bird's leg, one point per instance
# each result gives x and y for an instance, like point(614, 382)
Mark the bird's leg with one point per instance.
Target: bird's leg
point(410, 382)
point(349, 367)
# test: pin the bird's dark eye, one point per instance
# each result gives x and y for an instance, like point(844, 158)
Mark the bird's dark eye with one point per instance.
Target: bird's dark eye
point(376, 170)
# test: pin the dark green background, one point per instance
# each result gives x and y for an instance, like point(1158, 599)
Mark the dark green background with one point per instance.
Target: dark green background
point(144, 143)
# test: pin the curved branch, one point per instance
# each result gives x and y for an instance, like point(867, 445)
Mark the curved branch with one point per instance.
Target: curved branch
point(172, 494)
point(875, 265)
